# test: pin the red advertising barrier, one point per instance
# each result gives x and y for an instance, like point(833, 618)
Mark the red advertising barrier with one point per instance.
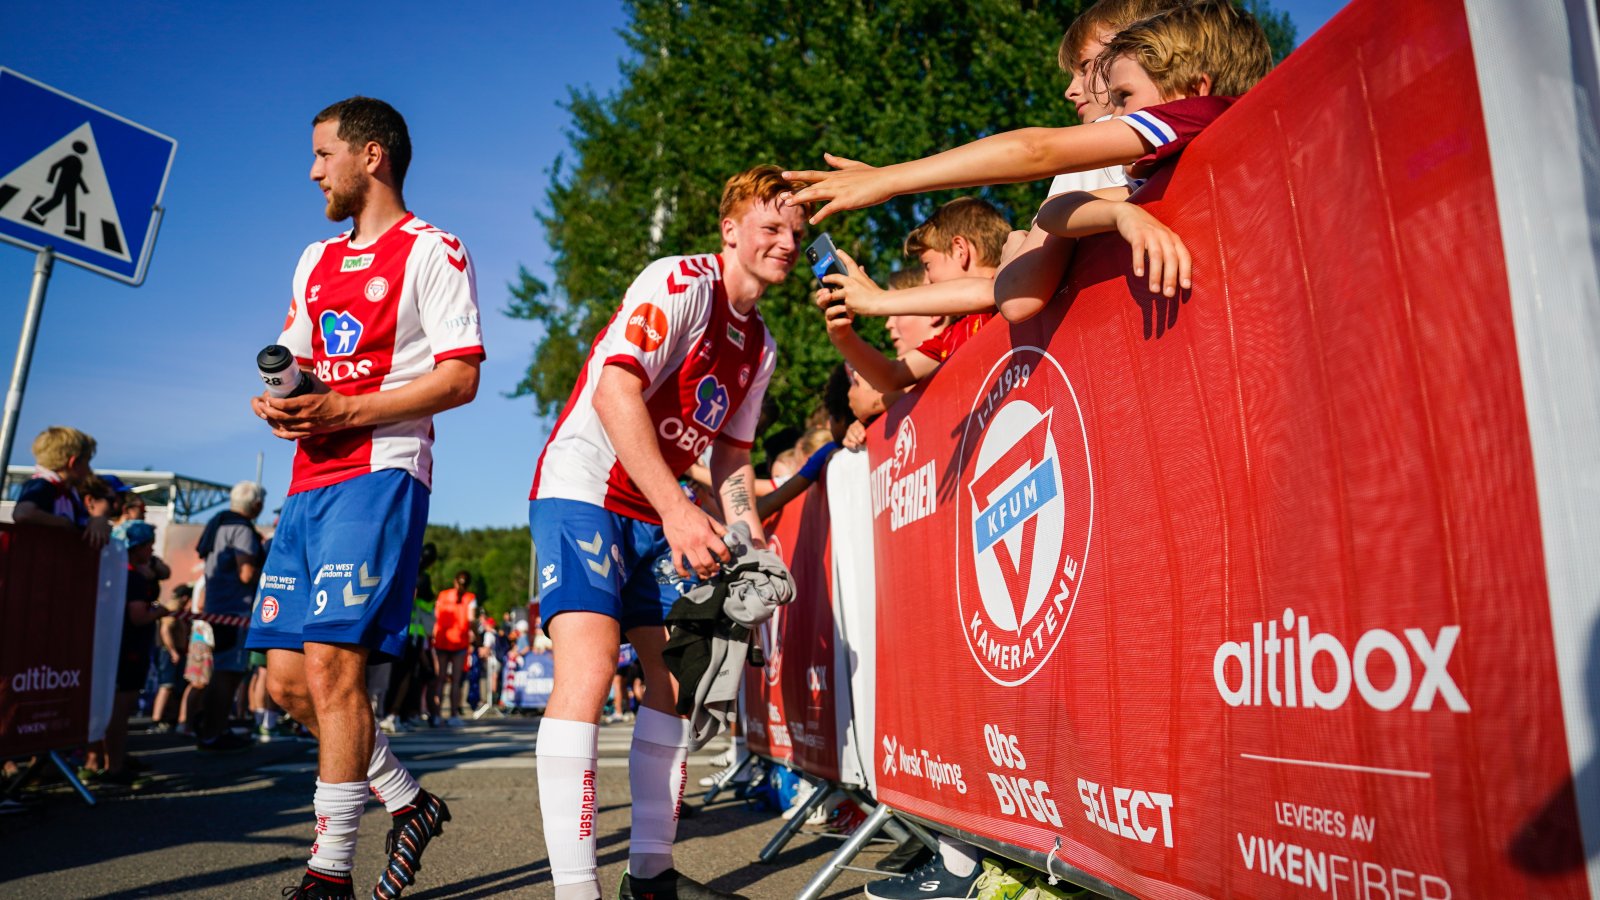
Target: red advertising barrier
point(1246, 596)
point(49, 580)
point(789, 703)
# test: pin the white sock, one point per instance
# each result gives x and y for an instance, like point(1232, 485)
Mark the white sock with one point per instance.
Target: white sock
point(338, 808)
point(657, 769)
point(959, 857)
point(739, 749)
point(391, 783)
point(565, 754)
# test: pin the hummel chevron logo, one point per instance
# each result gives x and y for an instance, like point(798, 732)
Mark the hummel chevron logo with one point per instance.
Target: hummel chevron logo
point(592, 547)
point(601, 568)
point(453, 254)
point(368, 581)
point(351, 598)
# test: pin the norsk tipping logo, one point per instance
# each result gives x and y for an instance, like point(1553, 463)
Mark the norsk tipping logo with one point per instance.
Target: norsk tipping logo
point(1025, 518)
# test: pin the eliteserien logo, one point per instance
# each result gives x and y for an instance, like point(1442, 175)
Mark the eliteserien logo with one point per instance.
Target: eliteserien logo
point(44, 678)
point(909, 494)
point(1024, 517)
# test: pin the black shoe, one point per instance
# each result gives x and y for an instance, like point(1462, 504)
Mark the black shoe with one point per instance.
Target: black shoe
point(317, 886)
point(413, 828)
point(931, 882)
point(908, 857)
point(669, 885)
point(226, 742)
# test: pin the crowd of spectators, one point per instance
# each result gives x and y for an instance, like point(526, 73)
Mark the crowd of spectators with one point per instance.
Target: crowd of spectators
point(181, 659)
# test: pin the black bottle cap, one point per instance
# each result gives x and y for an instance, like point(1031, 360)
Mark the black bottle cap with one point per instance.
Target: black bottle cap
point(274, 358)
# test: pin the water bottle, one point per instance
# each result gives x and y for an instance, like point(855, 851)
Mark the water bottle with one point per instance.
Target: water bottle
point(281, 374)
point(737, 540)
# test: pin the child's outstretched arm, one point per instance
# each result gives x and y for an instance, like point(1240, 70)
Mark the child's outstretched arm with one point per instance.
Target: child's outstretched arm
point(863, 297)
point(1027, 154)
point(885, 374)
point(1079, 215)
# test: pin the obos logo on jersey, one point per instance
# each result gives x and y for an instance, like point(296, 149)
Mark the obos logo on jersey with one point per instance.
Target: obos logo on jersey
point(711, 402)
point(341, 333)
point(1024, 517)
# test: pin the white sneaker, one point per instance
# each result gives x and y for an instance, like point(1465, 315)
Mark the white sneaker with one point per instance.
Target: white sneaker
point(389, 725)
point(801, 795)
point(723, 776)
point(724, 758)
point(826, 809)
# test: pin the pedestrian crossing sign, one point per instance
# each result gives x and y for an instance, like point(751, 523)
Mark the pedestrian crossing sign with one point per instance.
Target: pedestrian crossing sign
point(79, 179)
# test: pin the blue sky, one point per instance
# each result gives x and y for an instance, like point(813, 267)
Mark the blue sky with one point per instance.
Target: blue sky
point(161, 374)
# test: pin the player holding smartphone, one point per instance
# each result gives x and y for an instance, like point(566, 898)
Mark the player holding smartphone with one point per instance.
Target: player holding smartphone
point(681, 367)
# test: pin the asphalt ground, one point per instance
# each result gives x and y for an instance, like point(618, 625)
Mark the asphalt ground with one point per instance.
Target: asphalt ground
point(240, 825)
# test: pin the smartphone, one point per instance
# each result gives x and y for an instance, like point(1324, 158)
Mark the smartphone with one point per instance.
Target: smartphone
point(824, 257)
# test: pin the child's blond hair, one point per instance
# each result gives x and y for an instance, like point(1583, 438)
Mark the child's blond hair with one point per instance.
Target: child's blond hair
point(56, 446)
point(1208, 37)
point(909, 277)
point(812, 441)
point(787, 463)
point(976, 220)
point(1107, 15)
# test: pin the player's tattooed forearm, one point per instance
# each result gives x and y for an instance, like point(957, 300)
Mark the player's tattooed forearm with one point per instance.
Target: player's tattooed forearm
point(737, 493)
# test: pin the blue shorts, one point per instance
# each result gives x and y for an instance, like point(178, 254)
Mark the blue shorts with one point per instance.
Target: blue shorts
point(595, 560)
point(343, 566)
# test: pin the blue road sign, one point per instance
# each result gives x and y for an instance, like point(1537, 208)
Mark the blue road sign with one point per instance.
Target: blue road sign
point(78, 179)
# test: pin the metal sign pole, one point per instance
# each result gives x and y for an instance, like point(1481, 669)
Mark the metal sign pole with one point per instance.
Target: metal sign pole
point(42, 265)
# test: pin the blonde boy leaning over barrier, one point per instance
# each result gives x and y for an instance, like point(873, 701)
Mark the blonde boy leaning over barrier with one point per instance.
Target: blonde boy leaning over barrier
point(1208, 52)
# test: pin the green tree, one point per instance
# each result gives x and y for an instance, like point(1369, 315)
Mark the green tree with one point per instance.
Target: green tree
point(713, 87)
point(496, 558)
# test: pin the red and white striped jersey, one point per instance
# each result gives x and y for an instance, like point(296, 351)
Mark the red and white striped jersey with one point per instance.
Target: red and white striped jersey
point(705, 369)
point(374, 318)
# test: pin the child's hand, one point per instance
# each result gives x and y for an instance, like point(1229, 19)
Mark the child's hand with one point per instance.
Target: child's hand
point(852, 185)
point(855, 437)
point(1168, 258)
point(859, 292)
point(838, 318)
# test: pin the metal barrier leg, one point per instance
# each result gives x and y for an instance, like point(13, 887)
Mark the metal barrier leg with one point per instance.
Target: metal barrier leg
point(716, 788)
point(821, 791)
point(72, 778)
point(852, 846)
point(897, 828)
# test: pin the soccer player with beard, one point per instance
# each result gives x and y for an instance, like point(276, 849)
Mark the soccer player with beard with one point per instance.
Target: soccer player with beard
point(682, 366)
point(386, 316)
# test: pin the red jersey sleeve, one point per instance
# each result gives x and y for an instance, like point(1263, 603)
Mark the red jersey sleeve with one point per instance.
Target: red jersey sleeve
point(940, 347)
point(1167, 128)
